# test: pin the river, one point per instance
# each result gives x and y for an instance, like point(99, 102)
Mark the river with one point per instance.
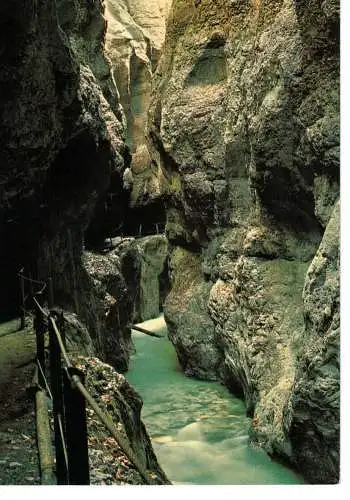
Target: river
point(199, 431)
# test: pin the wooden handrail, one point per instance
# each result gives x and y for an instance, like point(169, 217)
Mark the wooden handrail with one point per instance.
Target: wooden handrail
point(74, 380)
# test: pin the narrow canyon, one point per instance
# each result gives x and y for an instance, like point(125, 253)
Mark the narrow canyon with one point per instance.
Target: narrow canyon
point(177, 161)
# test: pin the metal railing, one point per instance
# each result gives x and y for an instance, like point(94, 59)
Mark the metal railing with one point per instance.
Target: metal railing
point(24, 297)
point(64, 384)
point(139, 232)
point(151, 229)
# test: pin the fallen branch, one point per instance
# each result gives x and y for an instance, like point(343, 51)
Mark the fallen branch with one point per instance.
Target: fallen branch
point(147, 332)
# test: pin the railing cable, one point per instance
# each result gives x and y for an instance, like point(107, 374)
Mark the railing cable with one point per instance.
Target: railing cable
point(60, 343)
point(63, 441)
point(44, 379)
point(43, 312)
point(32, 280)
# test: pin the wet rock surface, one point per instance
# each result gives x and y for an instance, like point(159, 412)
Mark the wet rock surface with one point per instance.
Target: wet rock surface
point(114, 282)
point(124, 283)
point(317, 379)
point(189, 326)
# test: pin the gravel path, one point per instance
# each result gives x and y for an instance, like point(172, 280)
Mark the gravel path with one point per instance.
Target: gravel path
point(18, 453)
point(19, 464)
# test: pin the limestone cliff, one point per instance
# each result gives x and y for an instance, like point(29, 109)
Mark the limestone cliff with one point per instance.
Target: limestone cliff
point(62, 149)
point(135, 35)
point(153, 252)
point(244, 129)
point(317, 380)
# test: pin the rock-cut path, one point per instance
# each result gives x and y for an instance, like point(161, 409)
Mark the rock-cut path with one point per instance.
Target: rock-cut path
point(18, 452)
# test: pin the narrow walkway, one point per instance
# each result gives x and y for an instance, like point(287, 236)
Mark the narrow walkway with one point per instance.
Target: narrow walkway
point(18, 452)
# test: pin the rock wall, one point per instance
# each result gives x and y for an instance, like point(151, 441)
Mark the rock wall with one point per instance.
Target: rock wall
point(135, 35)
point(62, 149)
point(108, 463)
point(317, 379)
point(244, 130)
point(153, 251)
point(134, 272)
point(111, 289)
point(61, 143)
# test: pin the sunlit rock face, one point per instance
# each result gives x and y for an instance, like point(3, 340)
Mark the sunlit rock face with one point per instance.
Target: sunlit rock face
point(135, 35)
point(85, 26)
point(153, 252)
point(244, 130)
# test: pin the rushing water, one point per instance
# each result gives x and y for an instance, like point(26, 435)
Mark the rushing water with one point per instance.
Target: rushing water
point(198, 429)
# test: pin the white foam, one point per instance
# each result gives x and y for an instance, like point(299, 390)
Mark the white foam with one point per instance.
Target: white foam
point(192, 432)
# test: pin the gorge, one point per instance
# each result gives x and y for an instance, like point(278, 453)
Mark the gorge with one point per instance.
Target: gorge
point(183, 157)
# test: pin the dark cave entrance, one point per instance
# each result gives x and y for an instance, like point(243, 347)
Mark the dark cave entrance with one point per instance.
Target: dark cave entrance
point(145, 221)
point(113, 218)
point(79, 170)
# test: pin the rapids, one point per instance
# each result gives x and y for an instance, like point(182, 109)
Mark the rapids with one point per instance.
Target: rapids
point(199, 430)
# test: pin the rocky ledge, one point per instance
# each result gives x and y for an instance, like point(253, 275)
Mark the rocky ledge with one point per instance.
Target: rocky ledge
point(109, 464)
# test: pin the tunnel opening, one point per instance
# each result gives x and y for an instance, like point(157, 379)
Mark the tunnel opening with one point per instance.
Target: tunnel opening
point(109, 214)
point(146, 220)
point(113, 218)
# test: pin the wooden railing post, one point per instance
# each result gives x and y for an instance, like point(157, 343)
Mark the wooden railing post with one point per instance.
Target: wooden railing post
point(58, 409)
point(76, 430)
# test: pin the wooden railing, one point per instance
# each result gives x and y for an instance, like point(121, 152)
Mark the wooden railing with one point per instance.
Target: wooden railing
point(64, 385)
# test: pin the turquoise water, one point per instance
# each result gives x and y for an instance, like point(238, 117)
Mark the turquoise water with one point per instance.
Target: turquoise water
point(199, 431)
